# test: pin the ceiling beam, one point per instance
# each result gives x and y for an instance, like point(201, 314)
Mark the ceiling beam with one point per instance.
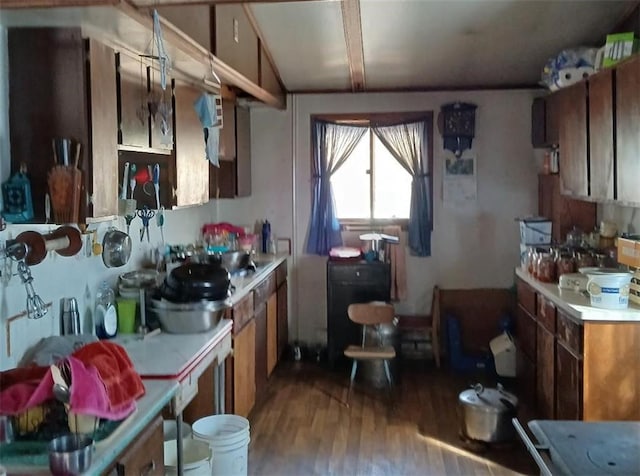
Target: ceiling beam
point(352, 23)
point(160, 3)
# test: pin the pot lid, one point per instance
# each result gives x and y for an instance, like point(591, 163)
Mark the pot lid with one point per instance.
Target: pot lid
point(490, 400)
point(379, 237)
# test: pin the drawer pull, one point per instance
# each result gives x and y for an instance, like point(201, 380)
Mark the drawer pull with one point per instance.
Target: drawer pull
point(148, 469)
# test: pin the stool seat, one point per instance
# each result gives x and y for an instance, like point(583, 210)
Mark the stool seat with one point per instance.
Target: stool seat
point(369, 353)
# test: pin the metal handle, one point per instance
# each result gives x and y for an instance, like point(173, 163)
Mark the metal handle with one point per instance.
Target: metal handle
point(544, 469)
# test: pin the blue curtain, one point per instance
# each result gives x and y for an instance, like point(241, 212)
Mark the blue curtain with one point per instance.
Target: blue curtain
point(407, 143)
point(332, 145)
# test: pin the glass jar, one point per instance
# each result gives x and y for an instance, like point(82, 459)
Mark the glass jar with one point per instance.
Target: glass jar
point(546, 268)
point(531, 260)
point(584, 259)
point(565, 264)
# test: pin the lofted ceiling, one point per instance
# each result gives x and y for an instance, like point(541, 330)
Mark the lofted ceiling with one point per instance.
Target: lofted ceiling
point(383, 45)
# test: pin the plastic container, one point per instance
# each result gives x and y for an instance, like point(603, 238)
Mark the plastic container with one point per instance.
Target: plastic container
point(170, 430)
point(535, 231)
point(266, 236)
point(106, 316)
point(127, 316)
point(228, 436)
point(609, 289)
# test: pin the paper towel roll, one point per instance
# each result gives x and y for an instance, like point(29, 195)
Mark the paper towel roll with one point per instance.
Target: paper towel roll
point(568, 76)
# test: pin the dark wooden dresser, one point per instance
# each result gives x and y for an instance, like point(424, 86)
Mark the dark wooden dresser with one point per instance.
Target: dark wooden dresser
point(351, 282)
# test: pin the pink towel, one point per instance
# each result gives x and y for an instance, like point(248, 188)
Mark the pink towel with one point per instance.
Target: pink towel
point(89, 394)
point(398, 264)
point(24, 388)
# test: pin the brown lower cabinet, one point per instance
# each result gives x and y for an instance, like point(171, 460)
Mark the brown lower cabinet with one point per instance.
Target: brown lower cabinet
point(244, 369)
point(145, 455)
point(260, 319)
point(283, 319)
point(579, 369)
point(272, 333)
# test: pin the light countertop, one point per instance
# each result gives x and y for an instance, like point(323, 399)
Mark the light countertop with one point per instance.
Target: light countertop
point(578, 305)
point(265, 263)
point(158, 394)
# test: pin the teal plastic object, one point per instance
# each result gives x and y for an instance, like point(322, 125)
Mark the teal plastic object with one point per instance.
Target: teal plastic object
point(16, 196)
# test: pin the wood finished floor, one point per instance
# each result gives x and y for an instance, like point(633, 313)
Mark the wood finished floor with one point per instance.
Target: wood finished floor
point(303, 428)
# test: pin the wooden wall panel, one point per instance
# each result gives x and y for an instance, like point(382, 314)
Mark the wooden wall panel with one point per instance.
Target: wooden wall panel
point(479, 311)
point(243, 55)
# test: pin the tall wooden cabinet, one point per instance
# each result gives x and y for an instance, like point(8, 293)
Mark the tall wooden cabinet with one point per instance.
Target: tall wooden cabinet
point(63, 85)
point(601, 147)
point(349, 283)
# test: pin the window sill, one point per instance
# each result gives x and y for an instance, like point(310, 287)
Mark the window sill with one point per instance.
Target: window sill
point(372, 225)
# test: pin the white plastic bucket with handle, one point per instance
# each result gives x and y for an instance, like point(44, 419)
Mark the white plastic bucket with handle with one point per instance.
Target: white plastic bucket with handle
point(229, 437)
point(609, 289)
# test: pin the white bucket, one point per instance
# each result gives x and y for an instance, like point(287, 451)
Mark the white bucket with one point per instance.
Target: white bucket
point(170, 430)
point(228, 437)
point(609, 290)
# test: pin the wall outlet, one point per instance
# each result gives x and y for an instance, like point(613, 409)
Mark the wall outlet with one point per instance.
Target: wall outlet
point(235, 30)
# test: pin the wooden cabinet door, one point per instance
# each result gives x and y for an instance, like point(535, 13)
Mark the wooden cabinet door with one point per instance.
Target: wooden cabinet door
point(101, 176)
point(627, 130)
point(574, 179)
point(283, 324)
point(552, 120)
point(132, 102)
point(244, 369)
point(272, 333)
point(261, 349)
point(526, 378)
point(192, 166)
point(243, 152)
point(601, 135)
point(227, 147)
point(145, 455)
point(161, 132)
point(545, 373)
point(568, 383)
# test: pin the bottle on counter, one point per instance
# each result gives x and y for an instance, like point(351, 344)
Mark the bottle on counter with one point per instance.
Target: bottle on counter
point(266, 236)
point(106, 317)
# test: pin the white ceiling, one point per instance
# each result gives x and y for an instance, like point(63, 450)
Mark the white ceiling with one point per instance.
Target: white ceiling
point(430, 44)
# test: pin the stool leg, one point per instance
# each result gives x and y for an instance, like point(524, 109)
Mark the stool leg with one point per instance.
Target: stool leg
point(435, 347)
point(354, 367)
point(389, 379)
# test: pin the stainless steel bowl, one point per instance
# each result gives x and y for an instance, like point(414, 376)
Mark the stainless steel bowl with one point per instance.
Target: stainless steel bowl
point(6, 429)
point(70, 454)
point(188, 318)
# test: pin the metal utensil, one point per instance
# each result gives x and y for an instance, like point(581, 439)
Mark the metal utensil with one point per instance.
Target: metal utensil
point(132, 180)
point(156, 183)
point(35, 305)
point(62, 393)
point(145, 215)
point(47, 208)
point(160, 222)
point(125, 183)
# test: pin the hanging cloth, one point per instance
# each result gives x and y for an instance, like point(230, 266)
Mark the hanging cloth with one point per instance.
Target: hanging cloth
point(207, 110)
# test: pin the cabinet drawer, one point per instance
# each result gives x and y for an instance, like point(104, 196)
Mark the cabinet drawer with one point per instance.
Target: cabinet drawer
point(281, 274)
point(145, 455)
point(569, 332)
point(526, 297)
point(242, 313)
point(263, 290)
point(360, 273)
point(546, 314)
point(526, 333)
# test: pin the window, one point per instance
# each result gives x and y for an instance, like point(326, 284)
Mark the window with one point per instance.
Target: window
point(371, 185)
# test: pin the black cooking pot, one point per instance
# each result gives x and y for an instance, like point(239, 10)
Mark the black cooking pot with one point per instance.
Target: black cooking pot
point(195, 282)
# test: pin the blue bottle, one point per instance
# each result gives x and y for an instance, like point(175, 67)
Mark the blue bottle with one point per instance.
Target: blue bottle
point(266, 235)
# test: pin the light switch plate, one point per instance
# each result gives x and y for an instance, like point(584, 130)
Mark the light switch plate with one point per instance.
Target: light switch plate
point(235, 30)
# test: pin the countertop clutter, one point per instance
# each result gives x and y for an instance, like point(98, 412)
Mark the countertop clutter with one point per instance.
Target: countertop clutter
point(170, 365)
point(577, 305)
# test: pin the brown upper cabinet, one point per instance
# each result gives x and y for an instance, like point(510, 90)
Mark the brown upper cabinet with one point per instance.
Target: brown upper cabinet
point(601, 153)
point(627, 104)
point(572, 110)
point(544, 125)
point(141, 103)
point(63, 85)
point(598, 133)
point(233, 177)
point(235, 42)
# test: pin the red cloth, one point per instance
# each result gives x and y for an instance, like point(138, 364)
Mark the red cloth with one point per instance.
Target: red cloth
point(23, 388)
point(122, 382)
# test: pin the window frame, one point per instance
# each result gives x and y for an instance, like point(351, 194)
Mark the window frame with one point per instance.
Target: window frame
point(380, 119)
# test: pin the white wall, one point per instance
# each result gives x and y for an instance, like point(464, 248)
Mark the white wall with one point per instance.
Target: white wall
point(5, 163)
point(475, 245)
point(78, 277)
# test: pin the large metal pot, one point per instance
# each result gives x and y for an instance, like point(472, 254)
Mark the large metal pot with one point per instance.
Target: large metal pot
point(487, 413)
point(233, 260)
point(188, 318)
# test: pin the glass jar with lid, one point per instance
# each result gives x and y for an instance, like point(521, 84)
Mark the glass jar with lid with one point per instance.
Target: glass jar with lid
point(565, 263)
point(546, 267)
